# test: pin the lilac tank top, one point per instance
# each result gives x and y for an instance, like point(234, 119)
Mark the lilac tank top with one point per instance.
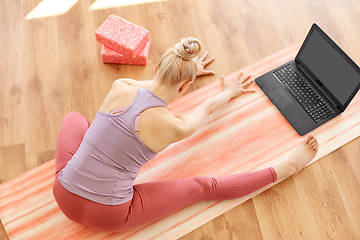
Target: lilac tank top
point(109, 158)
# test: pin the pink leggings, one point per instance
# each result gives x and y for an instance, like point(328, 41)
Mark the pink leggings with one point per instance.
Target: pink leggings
point(151, 201)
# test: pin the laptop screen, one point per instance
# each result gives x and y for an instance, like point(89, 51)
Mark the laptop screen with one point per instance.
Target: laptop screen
point(330, 65)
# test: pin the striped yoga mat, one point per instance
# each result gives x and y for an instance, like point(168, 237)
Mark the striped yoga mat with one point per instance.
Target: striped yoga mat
point(247, 134)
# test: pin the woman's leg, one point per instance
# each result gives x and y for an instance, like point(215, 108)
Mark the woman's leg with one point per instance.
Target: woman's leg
point(71, 134)
point(155, 200)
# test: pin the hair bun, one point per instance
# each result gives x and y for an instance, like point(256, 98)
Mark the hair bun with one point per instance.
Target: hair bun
point(188, 48)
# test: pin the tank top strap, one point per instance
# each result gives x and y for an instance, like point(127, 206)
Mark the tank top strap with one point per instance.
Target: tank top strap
point(118, 110)
point(144, 99)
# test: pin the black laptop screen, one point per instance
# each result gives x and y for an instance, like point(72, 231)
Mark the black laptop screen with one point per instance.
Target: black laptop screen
point(330, 67)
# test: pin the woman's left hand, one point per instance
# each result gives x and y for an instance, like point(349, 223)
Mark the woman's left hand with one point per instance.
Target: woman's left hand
point(202, 63)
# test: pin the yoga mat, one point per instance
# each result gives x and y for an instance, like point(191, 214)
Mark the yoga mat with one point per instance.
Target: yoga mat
point(247, 134)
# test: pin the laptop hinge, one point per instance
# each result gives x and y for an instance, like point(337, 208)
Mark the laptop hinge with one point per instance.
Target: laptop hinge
point(317, 85)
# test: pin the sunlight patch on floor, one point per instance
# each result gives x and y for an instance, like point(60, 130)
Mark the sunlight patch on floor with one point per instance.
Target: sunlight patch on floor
point(103, 4)
point(48, 8)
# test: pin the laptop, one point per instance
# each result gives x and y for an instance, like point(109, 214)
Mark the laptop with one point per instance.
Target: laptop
point(315, 87)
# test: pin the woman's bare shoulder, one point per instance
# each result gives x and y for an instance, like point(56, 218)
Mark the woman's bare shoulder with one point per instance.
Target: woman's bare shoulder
point(120, 95)
point(122, 83)
point(133, 83)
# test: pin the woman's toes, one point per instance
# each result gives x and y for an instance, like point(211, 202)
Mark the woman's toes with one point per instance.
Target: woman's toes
point(315, 145)
point(313, 139)
point(316, 148)
point(310, 137)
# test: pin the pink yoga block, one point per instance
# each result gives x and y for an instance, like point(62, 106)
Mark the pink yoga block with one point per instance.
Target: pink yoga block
point(122, 36)
point(109, 55)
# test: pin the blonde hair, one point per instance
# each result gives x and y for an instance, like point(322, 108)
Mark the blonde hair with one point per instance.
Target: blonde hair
point(179, 63)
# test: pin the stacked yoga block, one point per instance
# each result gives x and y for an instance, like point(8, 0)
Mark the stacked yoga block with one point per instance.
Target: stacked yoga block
point(123, 42)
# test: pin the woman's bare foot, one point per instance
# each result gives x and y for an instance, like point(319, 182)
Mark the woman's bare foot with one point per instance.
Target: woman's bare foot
point(304, 154)
point(299, 159)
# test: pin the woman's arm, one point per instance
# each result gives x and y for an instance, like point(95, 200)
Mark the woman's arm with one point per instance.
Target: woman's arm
point(190, 122)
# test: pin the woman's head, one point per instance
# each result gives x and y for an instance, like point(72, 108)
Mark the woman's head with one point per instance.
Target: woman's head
point(179, 63)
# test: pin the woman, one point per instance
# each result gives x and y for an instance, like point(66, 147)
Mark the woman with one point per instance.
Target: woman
point(95, 171)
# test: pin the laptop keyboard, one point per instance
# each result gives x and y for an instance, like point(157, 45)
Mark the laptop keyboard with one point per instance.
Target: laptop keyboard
point(303, 92)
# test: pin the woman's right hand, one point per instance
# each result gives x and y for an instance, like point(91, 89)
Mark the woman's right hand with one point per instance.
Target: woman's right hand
point(237, 86)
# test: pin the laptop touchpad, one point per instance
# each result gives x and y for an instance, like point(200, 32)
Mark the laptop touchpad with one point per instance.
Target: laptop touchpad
point(280, 98)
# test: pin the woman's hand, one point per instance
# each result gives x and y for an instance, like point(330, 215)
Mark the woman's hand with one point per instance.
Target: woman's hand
point(202, 63)
point(237, 86)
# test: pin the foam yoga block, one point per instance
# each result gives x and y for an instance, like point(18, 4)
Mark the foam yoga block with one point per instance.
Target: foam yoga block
point(122, 36)
point(109, 55)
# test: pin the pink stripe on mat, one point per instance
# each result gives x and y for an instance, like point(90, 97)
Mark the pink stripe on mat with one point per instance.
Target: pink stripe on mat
point(246, 134)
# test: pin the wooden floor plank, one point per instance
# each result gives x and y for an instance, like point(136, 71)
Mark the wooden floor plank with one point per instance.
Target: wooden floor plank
point(343, 166)
point(3, 235)
point(15, 163)
point(289, 17)
point(231, 225)
point(11, 91)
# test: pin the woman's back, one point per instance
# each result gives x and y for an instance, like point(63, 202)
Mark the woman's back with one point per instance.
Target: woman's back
point(158, 127)
point(111, 154)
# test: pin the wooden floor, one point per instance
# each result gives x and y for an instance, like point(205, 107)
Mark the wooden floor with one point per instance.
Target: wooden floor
point(51, 66)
